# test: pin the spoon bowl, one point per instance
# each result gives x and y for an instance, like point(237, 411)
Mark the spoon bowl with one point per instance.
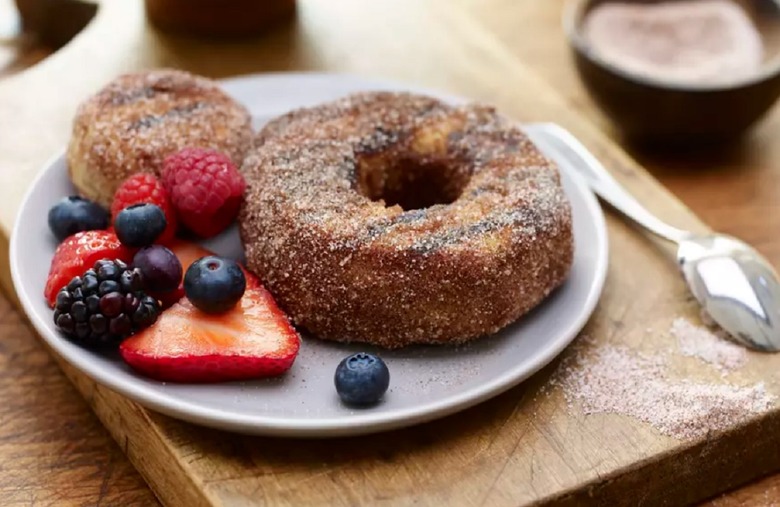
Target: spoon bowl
point(736, 286)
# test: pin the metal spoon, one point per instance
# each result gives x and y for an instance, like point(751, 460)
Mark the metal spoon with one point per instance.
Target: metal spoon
point(737, 287)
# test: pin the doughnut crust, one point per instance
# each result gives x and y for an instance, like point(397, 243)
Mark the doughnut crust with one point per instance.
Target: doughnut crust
point(395, 219)
point(137, 120)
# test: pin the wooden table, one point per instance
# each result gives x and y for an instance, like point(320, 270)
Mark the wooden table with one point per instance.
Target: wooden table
point(53, 450)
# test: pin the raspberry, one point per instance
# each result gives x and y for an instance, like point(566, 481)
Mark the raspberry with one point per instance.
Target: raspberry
point(205, 187)
point(145, 188)
point(79, 252)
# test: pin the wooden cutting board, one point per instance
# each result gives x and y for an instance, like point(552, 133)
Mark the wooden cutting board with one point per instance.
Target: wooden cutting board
point(520, 448)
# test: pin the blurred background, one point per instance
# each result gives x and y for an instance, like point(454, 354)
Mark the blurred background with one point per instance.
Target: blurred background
point(30, 30)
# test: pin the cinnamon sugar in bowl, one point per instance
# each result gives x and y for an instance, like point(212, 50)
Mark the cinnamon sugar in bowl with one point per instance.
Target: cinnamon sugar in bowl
point(678, 71)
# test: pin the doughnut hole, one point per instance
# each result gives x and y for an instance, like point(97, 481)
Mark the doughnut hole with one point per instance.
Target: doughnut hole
point(411, 181)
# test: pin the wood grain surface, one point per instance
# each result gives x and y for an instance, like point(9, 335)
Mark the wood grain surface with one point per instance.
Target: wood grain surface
point(53, 450)
point(517, 449)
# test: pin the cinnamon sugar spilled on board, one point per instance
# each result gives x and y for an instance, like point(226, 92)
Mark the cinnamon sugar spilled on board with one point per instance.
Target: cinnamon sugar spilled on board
point(712, 347)
point(616, 379)
point(687, 41)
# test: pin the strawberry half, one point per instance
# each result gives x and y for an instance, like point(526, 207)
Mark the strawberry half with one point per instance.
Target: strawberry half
point(77, 254)
point(253, 340)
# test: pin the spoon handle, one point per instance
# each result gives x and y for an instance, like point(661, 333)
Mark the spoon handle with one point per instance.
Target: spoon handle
point(559, 140)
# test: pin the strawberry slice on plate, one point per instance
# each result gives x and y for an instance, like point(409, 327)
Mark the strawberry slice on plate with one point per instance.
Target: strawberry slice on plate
point(252, 340)
point(77, 254)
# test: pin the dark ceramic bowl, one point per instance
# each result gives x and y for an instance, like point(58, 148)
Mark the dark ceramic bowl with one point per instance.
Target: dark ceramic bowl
point(648, 109)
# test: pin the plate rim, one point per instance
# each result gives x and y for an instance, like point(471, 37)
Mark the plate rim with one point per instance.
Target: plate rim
point(358, 423)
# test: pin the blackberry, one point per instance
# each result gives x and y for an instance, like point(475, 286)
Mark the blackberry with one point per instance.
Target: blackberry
point(104, 305)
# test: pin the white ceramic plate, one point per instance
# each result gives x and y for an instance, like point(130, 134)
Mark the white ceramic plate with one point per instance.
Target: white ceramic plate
point(426, 382)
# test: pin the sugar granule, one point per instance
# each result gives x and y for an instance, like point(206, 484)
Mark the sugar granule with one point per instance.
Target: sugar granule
point(615, 379)
point(711, 347)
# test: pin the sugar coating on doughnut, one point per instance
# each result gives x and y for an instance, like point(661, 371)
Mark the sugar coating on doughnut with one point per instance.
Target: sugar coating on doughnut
point(347, 266)
point(137, 120)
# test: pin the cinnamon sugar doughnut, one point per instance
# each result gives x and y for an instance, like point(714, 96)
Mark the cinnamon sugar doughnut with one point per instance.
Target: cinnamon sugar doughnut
point(137, 120)
point(395, 219)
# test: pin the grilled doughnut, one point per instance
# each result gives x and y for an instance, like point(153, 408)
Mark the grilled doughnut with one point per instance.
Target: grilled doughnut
point(137, 120)
point(396, 219)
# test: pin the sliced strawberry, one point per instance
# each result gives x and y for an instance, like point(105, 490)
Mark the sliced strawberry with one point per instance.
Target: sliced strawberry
point(253, 340)
point(77, 254)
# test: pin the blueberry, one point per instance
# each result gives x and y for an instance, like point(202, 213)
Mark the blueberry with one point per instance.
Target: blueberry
point(361, 379)
point(140, 224)
point(74, 214)
point(160, 268)
point(214, 284)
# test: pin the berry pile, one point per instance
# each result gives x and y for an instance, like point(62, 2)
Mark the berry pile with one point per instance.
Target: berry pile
point(176, 311)
point(104, 305)
point(125, 287)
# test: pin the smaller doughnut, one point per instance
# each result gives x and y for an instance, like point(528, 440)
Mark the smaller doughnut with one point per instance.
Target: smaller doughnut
point(137, 120)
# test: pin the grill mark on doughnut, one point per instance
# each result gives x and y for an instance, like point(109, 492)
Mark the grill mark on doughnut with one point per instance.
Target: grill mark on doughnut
point(377, 229)
point(512, 145)
point(125, 97)
point(378, 141)
point(155, 119)
point(373, 231)
point(411, 216)
point(491, 223)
